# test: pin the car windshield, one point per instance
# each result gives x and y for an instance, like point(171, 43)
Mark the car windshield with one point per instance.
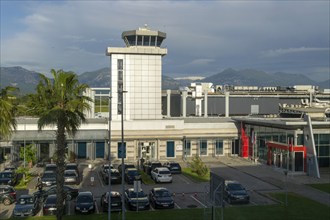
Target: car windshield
point(164, 172)
point(115, 199)
point(51, 200)
point(23, 201)
point(50, 168)
point(48, 175)
point(115, 173)
point(140, 194)
point(84, 199)
point(70, 174)
point(156, 165)
point(6, 175)
point(71, 167)
point(132, 172)
point(162, 193)
point(235, 186)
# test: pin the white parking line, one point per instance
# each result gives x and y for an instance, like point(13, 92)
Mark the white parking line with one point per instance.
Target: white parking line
point(193, 197)
point(101, 180)
point(69, 208)
point(96, 208)
point(177, 205)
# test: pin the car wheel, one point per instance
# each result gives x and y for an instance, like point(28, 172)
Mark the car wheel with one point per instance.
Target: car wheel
point(6, 202)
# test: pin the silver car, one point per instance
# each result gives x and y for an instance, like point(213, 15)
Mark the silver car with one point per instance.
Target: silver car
point(71, 177)
point(161, 174)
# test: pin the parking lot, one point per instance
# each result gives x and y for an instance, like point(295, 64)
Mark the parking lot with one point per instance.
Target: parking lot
point(186, 193)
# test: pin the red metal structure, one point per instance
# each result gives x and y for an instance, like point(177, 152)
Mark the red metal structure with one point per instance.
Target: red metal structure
point(272, 146)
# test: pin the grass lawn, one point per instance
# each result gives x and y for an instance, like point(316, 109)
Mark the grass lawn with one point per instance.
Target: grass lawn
point(299, 208)
point(187, 172)
point(146, 179)
point(325, 187)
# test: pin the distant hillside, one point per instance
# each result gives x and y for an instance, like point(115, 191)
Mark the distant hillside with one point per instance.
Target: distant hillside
point(101, 78)
point(98, 78)
point(251, 77)
point(19, 77)
point(27, 80)
point(325, 84)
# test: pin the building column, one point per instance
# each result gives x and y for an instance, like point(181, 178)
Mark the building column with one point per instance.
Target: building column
point(205, 103)
point(226, 104)
point(168, 103)
point(184, 103)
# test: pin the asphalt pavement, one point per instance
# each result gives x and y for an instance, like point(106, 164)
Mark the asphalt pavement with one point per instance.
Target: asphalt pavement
point(269, 178)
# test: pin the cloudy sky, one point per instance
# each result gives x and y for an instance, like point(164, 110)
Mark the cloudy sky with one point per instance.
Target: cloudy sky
point(203, 37)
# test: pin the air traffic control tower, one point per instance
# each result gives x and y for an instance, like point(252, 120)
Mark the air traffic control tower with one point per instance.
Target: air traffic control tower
point(137, 70)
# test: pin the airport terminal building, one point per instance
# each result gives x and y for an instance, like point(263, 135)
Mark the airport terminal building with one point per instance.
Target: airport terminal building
point(290, 130)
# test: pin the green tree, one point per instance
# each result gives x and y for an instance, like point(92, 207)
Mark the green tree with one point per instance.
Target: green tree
point(30, 153)
point(7, 112)
point(60, 102)
point(197, 166)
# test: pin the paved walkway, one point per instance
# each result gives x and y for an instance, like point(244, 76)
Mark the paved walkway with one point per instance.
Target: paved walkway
point(296, 183)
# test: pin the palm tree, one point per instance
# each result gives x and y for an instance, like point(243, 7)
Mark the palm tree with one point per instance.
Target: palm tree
point(60, 102)
point(7, 112)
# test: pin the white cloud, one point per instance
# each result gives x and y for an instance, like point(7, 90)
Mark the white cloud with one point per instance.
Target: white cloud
point(200, 62)
point(280, 52)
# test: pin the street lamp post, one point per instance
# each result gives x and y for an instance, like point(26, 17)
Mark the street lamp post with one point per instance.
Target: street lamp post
point(109, 159)
point(122, 154)
point(24, 143)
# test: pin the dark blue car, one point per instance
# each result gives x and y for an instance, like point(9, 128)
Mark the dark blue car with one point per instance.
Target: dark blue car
point(26, 205)
point(131, 174)
point(85, 203)
point(8, 178)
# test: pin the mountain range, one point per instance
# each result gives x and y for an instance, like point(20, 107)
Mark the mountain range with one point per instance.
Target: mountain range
point(27, 80)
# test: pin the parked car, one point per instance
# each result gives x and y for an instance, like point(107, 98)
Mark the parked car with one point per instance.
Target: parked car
point(48, 178)
point(150, 165)
point(73, 166)
point(105, 168)
point(26, 205)
point(70, 192)
point(7, 195)
point(85, 203)
point(115, 176)
point(136, 200)
point(10, 168)
point(8, 178)
point(160, 197)
point(161, 174)
point(131, 174)
point(51, 167)
point(71, 177)
point(174, 167)
point(126, 166)
point(49, 206)
point(234, 192)
point(116, 203)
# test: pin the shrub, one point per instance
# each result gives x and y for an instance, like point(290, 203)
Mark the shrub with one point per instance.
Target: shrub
point(197, 166)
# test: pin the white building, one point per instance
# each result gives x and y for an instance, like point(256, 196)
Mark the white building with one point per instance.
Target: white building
point(137, 70)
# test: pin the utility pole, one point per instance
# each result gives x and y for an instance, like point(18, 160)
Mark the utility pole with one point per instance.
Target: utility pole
point(109, 159)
